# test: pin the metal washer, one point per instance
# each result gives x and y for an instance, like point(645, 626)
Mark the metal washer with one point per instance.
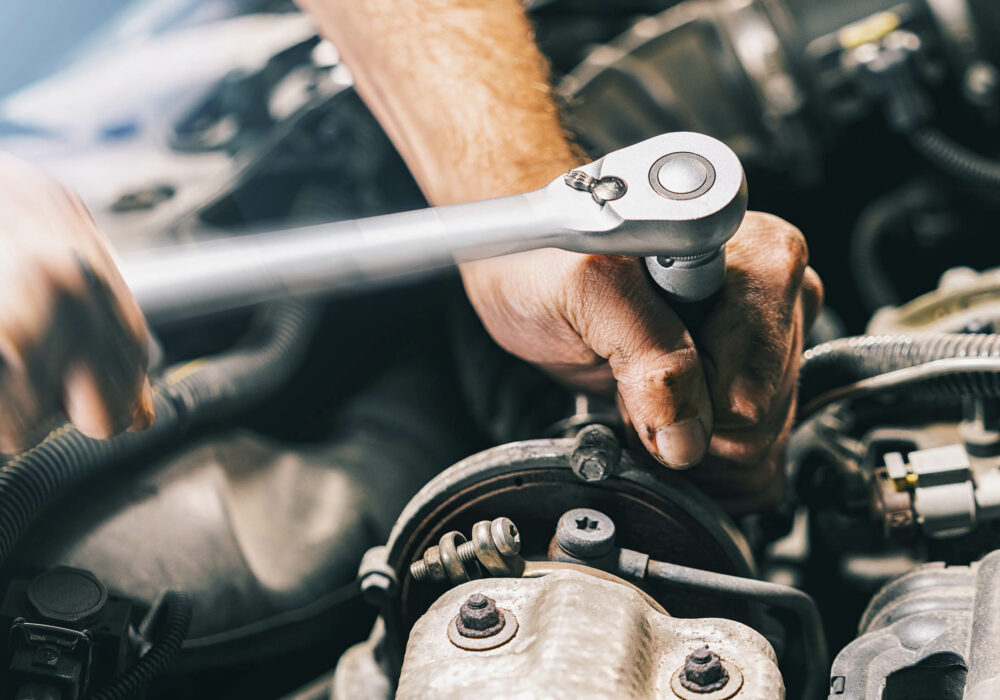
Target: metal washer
point(484, 643)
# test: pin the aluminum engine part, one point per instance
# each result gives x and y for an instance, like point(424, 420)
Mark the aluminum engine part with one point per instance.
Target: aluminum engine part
point(533, 483)
point(964, 298)
point(931, 633)
point(580, 636)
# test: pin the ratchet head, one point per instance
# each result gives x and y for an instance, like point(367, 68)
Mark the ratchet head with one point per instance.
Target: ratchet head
point(675, 200)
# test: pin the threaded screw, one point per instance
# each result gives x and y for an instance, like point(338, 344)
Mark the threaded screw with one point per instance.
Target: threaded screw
point(467, 552)
point(418, 569)
point(504, 537)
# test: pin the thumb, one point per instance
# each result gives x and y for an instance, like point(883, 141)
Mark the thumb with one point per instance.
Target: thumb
point(654, 360)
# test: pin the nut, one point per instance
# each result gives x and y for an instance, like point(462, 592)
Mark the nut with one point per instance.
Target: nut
point(479, 610)
point(703, 671)
point(479, 617)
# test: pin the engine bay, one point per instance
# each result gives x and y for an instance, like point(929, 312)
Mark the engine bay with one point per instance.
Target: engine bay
point(364, 496)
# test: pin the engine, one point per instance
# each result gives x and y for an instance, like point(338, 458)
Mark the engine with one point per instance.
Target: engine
point(304, 519)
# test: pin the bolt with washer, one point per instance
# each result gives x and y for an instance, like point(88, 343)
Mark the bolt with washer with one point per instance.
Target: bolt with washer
point(495, 545)
point(479, 617)
point(481, 625)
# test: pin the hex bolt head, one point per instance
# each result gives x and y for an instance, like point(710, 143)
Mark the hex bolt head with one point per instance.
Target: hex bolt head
point(479, 617)
point(596, 453)
point(585, 533)
point(703, 671)
point(477, 601)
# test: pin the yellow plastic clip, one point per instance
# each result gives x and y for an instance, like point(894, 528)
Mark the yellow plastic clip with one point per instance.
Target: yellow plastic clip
point(868, 30)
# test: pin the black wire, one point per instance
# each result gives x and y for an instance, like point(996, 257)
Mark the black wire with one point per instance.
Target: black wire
point(955, 159)
point(875, 221)
point(197, 394)
point(174, 613)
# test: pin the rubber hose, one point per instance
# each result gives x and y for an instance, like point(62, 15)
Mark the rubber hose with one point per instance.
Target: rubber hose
point(186, 396)
point(848, 360)
point(955, 159)
point(167, 643)
point(875, 221)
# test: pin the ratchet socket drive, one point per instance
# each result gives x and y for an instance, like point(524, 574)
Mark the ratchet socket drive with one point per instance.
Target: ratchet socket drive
point(674, 200)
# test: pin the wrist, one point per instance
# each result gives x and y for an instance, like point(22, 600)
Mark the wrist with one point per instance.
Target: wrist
point(485, 175)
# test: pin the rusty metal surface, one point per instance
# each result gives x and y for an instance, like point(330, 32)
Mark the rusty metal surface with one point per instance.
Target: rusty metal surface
point(579, 637)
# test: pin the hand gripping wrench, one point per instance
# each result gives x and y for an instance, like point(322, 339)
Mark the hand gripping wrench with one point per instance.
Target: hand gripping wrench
point(674, 200)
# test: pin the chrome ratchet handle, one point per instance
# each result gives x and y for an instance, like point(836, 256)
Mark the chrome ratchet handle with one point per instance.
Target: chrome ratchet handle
point(674, 199)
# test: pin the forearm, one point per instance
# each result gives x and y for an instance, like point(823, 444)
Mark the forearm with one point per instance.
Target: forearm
point(459, 86)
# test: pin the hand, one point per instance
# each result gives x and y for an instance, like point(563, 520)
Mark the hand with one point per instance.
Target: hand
point(720, 393)
point(71, 335)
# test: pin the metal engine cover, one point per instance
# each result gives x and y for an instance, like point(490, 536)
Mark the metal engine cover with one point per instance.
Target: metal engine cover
point(579, 636)
point(931, 634)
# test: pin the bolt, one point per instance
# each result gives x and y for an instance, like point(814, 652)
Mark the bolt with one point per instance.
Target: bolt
point(592, 469)
point(418, 570)
point(596, 453)
point(504, 537)
point(703, 671)
point(46, 656)
point(585, 533)
point(479, 617)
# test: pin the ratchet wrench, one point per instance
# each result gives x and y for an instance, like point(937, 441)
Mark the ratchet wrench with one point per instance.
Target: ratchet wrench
point(674, 199)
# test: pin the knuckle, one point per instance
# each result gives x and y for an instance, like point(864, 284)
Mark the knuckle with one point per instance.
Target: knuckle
point(672, 370)
point(759, 406)
point(748, 408)
point(758, 443)
point(812, 289)
point(607, 276)
point(791, 248)
point(786, 243)
point(665, 388)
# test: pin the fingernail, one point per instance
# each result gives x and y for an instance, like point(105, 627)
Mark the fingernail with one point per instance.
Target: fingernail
point(144, 413)
point(682, 445)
